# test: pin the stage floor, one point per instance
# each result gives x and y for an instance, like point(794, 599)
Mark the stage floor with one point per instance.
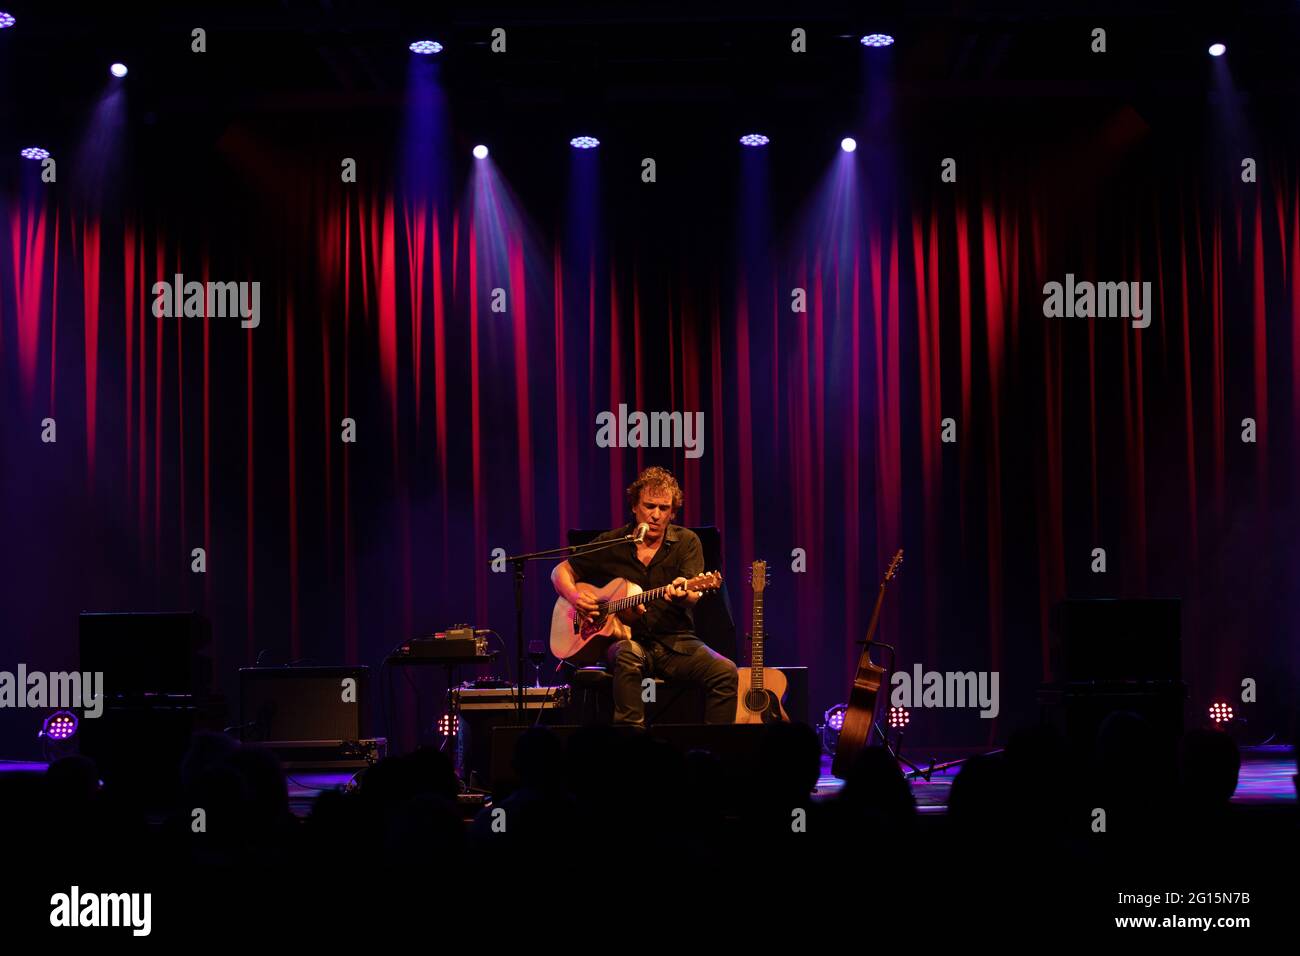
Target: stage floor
point(1265, 778)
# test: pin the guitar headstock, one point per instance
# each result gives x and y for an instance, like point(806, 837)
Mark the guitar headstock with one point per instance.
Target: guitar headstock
point(759, 578)
point(893, 565)
point(709, 581)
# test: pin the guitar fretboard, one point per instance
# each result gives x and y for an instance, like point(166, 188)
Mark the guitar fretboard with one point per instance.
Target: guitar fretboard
point(756, 653)
point(613, 607)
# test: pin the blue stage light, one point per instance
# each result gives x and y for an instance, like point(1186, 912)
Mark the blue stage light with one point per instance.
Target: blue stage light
point(848, 144)
point(36, 152)
point(6, 20)
point(1217, 49)
point(877, 40)
point(480, 151)
point(118, 69)
point(426, 47)
point(584, 142)
point(754, 139)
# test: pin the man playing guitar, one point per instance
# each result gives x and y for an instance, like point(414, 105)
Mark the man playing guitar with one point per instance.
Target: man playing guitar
point(663, 642)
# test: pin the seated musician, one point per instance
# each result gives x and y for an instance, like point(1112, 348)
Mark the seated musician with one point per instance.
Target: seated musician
point(663, 642)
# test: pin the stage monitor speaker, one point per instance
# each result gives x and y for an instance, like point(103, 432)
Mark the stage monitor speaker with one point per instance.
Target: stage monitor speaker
point(296, 704)
point(138, 747)
point(1087, 706)
point(147, 653)
point(1118, 640)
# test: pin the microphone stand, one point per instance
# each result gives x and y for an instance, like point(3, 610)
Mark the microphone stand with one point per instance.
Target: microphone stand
point(519, 561)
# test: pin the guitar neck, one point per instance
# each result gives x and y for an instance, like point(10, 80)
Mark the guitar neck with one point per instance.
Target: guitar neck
point(756, 651)
point(875, 613)
point(643, 598)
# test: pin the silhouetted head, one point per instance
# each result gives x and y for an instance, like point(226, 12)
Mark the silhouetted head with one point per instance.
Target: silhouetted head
point(72, 780)
point(1210, 765)
point(538, 758)
point(980, 799)
point(433, 773)
point(205, 750)
point(790, 757)
point(1132, 759)
point(267, 788)
point(874, 783)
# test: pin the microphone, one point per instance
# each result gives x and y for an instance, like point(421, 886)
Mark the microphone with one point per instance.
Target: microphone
point(641, 530)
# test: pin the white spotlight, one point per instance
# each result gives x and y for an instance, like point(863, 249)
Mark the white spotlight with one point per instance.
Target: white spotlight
point(1217, 49)
point(118, 69)
point(848, 144)
point(480, 151)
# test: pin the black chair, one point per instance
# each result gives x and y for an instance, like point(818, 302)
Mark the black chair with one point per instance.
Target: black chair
point(714, 625)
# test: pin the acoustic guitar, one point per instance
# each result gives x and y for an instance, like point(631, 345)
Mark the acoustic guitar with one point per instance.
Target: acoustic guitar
point(584, 642)
point(761, 689)
point(866, 685)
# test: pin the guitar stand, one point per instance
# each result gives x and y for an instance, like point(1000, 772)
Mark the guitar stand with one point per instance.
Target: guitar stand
point(895, 753)
point(947, 765)
point(884, 738)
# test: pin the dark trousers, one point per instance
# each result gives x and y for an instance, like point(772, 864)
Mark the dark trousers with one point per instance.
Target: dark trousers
point(691, 662)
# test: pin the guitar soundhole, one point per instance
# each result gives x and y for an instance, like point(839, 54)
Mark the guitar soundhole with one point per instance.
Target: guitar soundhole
point(587, 628)
point(756, 701)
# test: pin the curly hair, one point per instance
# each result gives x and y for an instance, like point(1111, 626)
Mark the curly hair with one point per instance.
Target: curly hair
point(655, 479)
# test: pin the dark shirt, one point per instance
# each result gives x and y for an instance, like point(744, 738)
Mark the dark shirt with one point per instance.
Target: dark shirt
point(679, 556)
